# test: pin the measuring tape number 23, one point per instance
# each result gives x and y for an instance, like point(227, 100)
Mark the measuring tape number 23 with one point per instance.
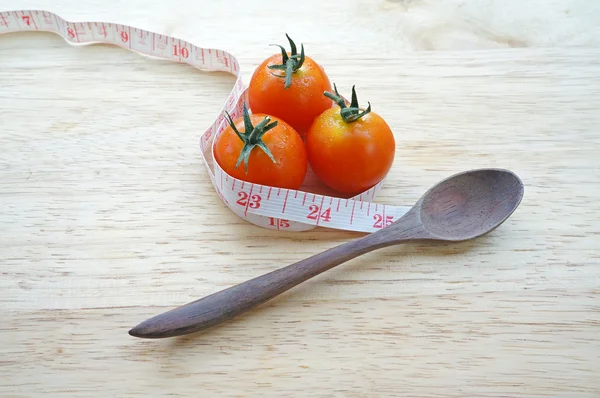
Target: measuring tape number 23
point(264, 206)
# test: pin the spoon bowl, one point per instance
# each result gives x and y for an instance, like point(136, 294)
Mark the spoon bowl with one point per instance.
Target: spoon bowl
point(470, 204)
point(462, 207)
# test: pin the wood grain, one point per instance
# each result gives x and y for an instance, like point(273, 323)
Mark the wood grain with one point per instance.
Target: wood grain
point(107, 217)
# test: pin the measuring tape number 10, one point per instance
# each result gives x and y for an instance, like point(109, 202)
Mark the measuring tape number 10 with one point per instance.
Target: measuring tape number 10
point(264, 206)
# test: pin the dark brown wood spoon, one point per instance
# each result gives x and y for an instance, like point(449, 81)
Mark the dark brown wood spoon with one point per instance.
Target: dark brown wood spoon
point(462, 207)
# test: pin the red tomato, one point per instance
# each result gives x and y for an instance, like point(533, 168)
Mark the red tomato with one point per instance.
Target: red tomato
point(350, 149)
point(271, 151)
point(290, 86)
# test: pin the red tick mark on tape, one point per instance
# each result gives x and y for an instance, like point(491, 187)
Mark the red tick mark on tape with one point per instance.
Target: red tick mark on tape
point(285, 201)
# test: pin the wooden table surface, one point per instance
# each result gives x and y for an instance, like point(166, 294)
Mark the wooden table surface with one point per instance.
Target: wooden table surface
point(108, 217)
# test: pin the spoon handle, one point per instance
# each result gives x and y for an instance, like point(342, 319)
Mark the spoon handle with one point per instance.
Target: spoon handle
point(228, 303)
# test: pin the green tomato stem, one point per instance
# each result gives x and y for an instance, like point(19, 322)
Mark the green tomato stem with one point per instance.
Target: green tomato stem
point(353, 112)
point(252, 137)
point(291, 63)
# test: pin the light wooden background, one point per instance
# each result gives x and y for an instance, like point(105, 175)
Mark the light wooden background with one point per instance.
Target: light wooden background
point(107, 216)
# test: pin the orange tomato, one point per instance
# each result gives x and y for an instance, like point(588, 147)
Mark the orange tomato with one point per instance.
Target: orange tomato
point(271, 151)
point(290, 86)
point(350, 149)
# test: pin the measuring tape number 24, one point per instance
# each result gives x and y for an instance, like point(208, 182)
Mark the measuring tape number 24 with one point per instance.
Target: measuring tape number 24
point(264, 206)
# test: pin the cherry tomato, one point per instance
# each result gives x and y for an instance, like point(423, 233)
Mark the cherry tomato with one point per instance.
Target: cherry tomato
point(262, 149)
point(350, 149)
point(290, 86)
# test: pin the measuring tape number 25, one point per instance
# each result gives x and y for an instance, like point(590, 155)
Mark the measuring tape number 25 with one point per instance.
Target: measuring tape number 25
point(264, 206)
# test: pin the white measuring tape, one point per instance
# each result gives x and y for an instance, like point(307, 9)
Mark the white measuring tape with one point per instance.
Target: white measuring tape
point(264, 206)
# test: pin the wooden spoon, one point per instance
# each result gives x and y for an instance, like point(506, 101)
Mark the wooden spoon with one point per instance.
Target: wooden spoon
point(462, 207)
